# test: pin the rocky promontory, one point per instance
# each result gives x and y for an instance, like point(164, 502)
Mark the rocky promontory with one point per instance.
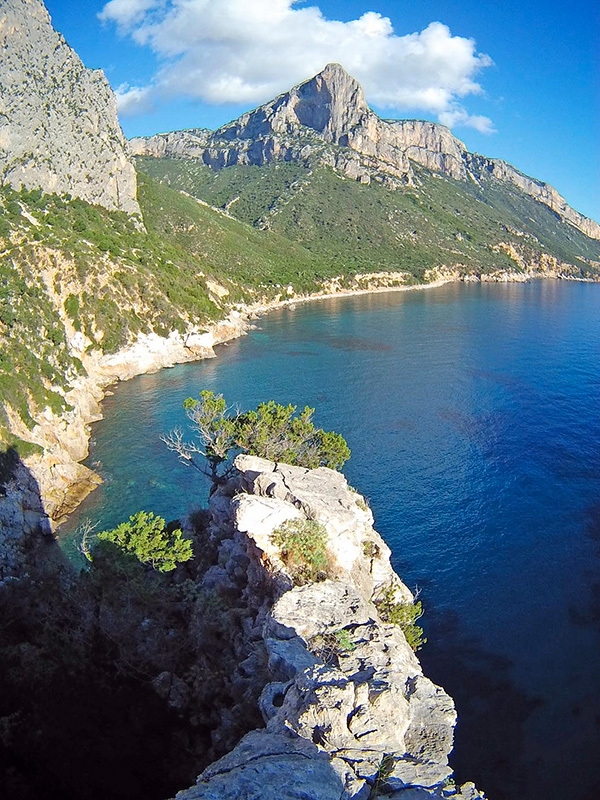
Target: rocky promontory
point(348, 712)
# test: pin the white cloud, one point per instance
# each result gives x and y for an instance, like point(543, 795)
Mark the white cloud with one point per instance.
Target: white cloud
point(133, 100)
point(456, 115)
point(127, 13)
point(248, 51)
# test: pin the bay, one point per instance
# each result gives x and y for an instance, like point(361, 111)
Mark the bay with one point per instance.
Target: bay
point(473, 416)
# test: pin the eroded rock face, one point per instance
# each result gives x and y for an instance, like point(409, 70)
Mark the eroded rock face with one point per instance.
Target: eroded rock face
point(327, 119)
point(59, 130)
point(347, 700)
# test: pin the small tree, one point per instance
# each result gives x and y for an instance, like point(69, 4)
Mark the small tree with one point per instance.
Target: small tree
point(272, 431)
point(147, 537)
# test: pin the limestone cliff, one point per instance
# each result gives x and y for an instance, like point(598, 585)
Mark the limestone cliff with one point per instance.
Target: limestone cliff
point(328, 118)
point(59, 130)
point(348, 711)
point(61, 480)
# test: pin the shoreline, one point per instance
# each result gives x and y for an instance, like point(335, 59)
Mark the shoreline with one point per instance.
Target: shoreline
point(64, 482)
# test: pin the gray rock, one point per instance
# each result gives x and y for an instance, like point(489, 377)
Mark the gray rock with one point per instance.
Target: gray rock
point(346, 690)
point(59, 130)
point(266, 766)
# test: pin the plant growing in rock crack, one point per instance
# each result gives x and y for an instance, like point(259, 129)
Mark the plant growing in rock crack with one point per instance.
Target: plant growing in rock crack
point(385, 769)
point(303, 547)
point(331, 645)
point(371, 549)
point(403, 614)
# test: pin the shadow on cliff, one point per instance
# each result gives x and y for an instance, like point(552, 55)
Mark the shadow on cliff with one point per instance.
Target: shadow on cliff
point(79, 653)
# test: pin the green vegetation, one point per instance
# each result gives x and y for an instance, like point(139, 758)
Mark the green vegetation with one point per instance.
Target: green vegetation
point(213, 240)
point(352, 228)
point(272, 431)
point(67, 266)
point(115, 681)
point(331, 646)
point(405, 615)
point(303, 545)
point(371, 549)
point(385, 769)
point(150, 540)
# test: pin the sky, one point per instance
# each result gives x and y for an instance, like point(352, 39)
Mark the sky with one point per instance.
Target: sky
point(518, 81)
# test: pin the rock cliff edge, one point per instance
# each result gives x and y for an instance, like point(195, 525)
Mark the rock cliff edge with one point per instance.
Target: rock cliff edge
point(348, 711)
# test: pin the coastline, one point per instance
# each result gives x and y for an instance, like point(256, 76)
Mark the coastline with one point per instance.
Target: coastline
point(64, 481)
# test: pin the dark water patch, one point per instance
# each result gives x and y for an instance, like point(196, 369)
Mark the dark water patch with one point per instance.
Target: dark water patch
point(492, 709)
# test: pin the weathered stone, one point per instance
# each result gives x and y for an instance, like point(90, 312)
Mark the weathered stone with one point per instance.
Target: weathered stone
point(347, 691)
point(59, 130)
point(266, 766)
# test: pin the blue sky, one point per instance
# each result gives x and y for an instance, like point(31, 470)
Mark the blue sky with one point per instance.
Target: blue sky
point(519, 82)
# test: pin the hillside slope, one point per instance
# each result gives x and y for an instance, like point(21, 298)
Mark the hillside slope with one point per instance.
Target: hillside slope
point(327, 121)
point(437, 226)
point(82, 287)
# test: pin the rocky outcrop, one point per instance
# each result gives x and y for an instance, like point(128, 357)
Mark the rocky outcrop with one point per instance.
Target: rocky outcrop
point(495, 169)
point(180, 144)
point(22, 515)
point(347, 710)
point(328, 120)
point(59, 130)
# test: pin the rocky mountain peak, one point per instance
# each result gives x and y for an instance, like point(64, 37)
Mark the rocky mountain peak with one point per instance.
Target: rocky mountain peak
point(306, 123)
point(59, 130)
point(331, 103)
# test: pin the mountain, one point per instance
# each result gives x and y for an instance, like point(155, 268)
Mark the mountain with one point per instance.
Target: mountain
point(59, 130)
point(330, 109)
point(310, 193)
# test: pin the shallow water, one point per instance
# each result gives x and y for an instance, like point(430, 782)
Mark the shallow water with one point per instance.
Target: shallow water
point(473, 417)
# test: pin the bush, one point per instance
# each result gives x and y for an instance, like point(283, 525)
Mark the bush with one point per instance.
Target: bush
point(303, 545)
point(272, 431)
point(332, 646)
point(148, 538)
point(405, 615)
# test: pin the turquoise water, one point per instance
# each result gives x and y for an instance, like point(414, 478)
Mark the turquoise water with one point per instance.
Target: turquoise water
point(473, 417)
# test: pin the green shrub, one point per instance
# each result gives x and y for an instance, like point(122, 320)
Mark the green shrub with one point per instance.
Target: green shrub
point(303, 545)
point(405, 615)
point(332, 645)
point(272, 431)
point(371, 549)
point(148, 538)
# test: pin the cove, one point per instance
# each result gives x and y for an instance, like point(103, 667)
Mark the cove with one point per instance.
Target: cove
point(473, 417)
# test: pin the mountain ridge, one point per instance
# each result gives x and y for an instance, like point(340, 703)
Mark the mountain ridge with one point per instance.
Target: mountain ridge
point(330, 109)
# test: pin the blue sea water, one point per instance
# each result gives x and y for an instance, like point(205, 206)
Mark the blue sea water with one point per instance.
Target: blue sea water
point(473, 416)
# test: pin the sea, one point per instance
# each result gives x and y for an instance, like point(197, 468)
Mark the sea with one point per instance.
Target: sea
point(473, 416)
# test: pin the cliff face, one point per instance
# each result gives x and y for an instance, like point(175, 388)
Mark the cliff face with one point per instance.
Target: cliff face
point(61, 481)
point(348, 704)
point(327, 117)
point(59, 130)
